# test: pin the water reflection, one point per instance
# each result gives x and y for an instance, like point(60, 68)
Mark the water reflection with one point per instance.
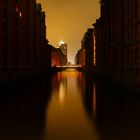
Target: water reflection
point(88, 94)
point(62, 93)
point(116, 109)
point(121, 114)
point(22, 110)
point(66, 115)
point(69, 105)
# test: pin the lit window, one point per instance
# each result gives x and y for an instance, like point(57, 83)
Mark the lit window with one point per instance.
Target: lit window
point(20, 14)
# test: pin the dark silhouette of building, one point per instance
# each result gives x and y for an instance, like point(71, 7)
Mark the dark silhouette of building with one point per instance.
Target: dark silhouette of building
point(87, 45)
point(117, 42)
point(86, 56)
point(43, 51)
point(38, 36)
point(23, 43)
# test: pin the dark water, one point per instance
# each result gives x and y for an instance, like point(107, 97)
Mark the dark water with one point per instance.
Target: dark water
point(68, 106)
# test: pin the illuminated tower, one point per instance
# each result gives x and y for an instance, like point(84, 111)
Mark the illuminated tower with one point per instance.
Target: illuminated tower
point(63, 47)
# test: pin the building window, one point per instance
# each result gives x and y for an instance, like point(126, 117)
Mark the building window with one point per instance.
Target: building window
point(17, 22)
point(136, 56)
point(5, 13)
point(5, 50)
point(5, 3)
point(17, 1)
point(128, 57)
point(5, 57)
point(122, 62)
point(5, 29)
point(5, 41)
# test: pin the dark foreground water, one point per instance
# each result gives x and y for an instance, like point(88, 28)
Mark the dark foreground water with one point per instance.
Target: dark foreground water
point(68, 106)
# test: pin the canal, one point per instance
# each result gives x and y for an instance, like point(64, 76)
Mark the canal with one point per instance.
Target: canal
point(68, 105)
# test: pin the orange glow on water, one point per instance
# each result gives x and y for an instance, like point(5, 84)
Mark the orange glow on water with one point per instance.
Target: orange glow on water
point(66, 117)
point(59, 75)
point(70, 73)
point(62, 92)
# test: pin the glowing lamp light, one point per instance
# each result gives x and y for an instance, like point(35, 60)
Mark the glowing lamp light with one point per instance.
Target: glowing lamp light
point(61, 42)
point(18, 11)
point(20, 14)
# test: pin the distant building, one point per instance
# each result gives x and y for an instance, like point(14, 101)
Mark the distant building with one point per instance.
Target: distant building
point(86, 56)
point(87, 45)
point(57, 57)
point(63, 47)
point(80, 57)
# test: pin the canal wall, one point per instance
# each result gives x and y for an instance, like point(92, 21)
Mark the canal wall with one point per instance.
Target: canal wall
point(127, 82)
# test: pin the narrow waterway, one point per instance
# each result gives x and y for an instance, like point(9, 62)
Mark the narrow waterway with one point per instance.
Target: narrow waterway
point(67, 118)
point(68, 105)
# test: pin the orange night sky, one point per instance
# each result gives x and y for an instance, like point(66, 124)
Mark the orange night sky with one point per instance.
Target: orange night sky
point(68, 20)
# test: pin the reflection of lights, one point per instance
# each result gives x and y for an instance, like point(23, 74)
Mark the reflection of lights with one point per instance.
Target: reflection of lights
point(59, 76)
point(69, 74)
point(80, 75)
point(61, 94)
point(94, 99)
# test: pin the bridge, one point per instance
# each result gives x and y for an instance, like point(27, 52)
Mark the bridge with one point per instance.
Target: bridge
point(67, 68)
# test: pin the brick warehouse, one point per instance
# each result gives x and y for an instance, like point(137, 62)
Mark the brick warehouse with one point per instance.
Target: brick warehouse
point(58, 58)
point(117, 42)
point(80, 57)
point(42, 59)
point(86, 56)
point(18, 34)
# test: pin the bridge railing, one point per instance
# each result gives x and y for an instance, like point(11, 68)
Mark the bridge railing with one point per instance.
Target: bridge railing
point(66, 67)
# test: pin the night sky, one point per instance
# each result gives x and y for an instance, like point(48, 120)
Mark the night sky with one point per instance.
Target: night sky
point(68, 20)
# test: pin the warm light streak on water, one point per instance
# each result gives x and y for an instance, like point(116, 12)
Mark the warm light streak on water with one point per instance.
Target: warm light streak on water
point(68, 105)
point(62, 93)
point(66, 116)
